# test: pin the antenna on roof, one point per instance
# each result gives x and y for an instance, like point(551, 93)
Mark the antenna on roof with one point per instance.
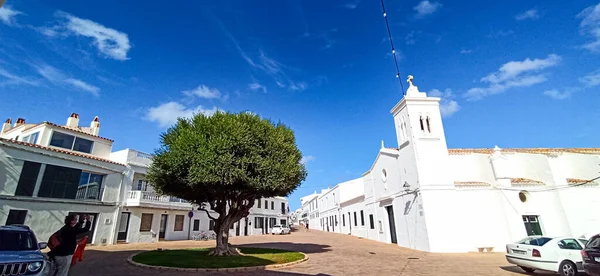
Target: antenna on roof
point(387, 25)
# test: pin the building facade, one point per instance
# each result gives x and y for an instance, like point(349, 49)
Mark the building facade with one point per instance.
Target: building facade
point(424, 196)
point(48, 171)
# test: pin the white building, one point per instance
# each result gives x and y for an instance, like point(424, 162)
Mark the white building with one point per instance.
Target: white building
point(425, 196)
point(48, 171)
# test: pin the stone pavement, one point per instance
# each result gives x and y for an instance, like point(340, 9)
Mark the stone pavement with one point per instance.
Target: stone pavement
point(329, 253)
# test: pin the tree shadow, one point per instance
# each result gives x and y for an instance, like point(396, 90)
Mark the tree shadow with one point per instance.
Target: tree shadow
point(99, 262)
point(300, 247)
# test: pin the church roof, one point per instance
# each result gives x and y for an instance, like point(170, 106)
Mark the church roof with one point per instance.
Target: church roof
point(575, 181)
point(525, 181)
point(471, 183)
point(526, 150)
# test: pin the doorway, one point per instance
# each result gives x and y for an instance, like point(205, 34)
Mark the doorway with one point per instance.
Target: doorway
point(237, 229)
point(350, 222)
point(93, 219)
point(246, 226)
point(532, 225)
point(163, 226)
point(123, 226)
point(392, 221)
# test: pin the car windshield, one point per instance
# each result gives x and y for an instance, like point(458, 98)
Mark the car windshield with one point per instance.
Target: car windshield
point(17, 241)
point(539, 241)
point(583, 241)
point(594, 242)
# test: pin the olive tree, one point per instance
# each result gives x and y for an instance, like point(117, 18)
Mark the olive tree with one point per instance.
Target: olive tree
point(225, 162)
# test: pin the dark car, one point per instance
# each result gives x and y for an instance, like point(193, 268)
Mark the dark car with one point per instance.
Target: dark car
point(591, 256)
point(20, 252)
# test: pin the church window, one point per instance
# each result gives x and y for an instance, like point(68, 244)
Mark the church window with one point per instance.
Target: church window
point(428, 124)
point(421, 123)
point(404, 130)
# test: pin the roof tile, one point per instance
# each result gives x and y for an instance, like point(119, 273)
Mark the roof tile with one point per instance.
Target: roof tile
point(525, 181)
point(471, 183)
point(546, 151)
point(73, 153)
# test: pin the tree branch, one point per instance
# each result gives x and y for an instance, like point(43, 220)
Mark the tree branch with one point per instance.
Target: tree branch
point(202, 208)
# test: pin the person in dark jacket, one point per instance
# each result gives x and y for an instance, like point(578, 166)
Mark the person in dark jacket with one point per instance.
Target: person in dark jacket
point(63, 253)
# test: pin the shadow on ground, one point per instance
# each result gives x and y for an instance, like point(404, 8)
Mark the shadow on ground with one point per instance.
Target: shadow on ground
point(98, 262)
point(307, 248)
point(517, 270)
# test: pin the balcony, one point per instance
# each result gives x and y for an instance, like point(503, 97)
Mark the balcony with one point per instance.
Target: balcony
point(153, 200)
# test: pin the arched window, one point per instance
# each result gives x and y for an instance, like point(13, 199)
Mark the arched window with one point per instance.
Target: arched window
point(428, 124)
point(404, 130)
point(421, 123)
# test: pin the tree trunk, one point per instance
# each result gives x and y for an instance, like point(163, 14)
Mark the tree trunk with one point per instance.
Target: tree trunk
point(223, 247)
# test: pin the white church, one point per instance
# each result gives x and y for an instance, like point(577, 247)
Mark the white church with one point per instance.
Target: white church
point(424, 196)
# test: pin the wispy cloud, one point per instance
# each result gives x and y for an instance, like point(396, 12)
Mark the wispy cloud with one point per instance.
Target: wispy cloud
point(256, 86)
point(307, 158)
point(352, 4)
point(559, 95)
point(9, 79)
point(590, 25)
point(57, 77)
point(500, 33)
point(167, 114)
point(425, 8)
point(529, 14)
point(84, 86)
point(448, 106)
point(205, 92)
point(109, 42)
point(466, 51)
point(590, 80)
point(267, 65)
point(513, 74)
point(7, 15)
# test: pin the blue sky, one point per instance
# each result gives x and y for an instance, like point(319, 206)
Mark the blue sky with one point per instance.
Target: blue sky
point(510, 73)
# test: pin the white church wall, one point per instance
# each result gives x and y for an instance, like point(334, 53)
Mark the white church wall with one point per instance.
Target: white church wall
point(471, 167)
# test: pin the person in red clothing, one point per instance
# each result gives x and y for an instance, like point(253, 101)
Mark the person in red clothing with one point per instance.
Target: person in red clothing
point(78, 255)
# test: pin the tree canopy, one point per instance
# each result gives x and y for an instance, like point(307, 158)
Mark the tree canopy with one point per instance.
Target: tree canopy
point(227, 160)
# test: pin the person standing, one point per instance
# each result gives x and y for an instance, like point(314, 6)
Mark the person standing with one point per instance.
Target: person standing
point(62, 253)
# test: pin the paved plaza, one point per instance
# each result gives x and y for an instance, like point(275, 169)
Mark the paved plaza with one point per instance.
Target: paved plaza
point(329, 253)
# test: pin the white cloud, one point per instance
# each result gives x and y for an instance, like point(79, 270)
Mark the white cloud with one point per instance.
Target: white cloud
point(590, 80)
point(255, 86)
point(84, 86)
point(306, 159)
point(352, 4)
point(558, 95)
point(204, 92)
point(269, 66)
point(464, 51)
point(529, 14)
point(7, 15)
point(167, 114)
point(110, 42)
point(57, 77)
point(514, 74)
point(7, 79)
point(590, 25)
point(426, 7)
point(448, 106)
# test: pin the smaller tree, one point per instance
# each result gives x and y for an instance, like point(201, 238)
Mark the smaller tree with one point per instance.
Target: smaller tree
point(226, 162)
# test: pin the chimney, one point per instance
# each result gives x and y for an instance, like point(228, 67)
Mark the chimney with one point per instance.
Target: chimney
point(73, 120)
point(95, 126)
point(20, 121)
point(6, 126)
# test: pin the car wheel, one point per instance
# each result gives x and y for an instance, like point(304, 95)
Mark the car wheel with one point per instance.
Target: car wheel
point(527, 269)
point(567, 268)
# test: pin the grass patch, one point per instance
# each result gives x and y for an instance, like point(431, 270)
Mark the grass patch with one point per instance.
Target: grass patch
point(198, 258)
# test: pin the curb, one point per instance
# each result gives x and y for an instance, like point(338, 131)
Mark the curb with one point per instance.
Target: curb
point(229, 269)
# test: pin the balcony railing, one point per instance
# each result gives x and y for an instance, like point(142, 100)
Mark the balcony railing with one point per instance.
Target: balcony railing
point(141, 198)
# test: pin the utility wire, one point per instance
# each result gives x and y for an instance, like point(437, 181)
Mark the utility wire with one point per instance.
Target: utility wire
point(393, 49)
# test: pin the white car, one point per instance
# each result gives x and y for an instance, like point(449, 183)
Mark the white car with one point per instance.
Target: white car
point(560, 255)
point(280, 230)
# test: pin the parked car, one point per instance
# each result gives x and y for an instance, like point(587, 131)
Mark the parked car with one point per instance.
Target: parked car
point(20, 252)
point(560, 255)
point(591, 256)
point(280, 230)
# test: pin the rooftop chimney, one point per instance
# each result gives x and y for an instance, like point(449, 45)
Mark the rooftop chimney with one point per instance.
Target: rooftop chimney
point(73, 120)
point(19, 122)
point(95, 126)
point(6, 126)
